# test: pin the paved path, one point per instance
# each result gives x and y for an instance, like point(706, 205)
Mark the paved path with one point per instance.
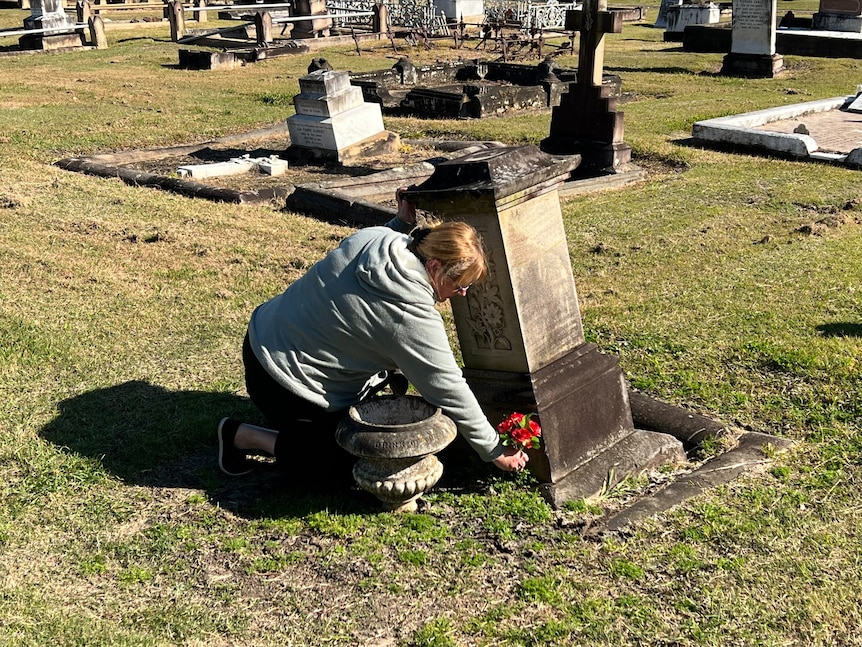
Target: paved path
point(835, 131)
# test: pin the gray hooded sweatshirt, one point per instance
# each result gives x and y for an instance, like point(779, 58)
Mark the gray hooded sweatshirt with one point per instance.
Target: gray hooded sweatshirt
point(368, 306)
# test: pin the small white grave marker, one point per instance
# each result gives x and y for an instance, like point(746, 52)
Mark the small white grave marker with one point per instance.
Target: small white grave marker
point(272, 165)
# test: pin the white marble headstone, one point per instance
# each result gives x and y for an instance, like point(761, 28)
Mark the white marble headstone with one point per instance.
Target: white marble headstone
point(753, 27)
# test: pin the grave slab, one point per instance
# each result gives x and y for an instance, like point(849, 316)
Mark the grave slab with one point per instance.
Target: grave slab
point(823, 130)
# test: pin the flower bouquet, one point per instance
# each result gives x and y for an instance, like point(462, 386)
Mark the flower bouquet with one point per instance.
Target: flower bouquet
point(520, 431)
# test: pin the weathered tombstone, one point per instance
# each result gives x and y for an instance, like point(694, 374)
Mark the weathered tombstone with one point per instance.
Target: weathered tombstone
point(177, 19)
point(661, 20)
point(333, 121)
point(380, 19)
point(314, 28)
point(520, 330)
point(83, 11)
point(838, 15)
point(752, 48)
point(50, 14)
point(201, 15)
point(586, 122)
point(678, 18)
point(263, 27)
point(272, 165)
point(98, 38)
point(471, 11)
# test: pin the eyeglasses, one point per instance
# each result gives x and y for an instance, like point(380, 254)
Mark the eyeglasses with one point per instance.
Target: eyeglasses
point(462, 289)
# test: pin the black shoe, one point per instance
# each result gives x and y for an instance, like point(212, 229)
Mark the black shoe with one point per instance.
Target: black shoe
point(231, 460)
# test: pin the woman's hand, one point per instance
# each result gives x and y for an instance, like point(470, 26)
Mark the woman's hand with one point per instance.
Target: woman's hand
point(512, 460)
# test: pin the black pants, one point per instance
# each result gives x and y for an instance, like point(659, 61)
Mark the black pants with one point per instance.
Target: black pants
point(305, 448)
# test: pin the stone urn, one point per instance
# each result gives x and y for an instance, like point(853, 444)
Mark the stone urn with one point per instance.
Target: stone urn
point(395, 438)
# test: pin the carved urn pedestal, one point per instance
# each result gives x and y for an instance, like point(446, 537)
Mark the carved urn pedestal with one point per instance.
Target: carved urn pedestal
point(395, 438)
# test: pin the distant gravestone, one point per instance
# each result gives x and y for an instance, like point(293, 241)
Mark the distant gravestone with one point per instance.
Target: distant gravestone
point(332, 120)
point(314, 27)
point(661, 20)
point(520, 330)
point(586, 122)
point(678, 18)
point(50, 14)
point(471, 11)
point(838, 15)
point(752, 50)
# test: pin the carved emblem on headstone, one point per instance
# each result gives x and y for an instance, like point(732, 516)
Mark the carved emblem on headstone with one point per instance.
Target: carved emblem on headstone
point(487, 318)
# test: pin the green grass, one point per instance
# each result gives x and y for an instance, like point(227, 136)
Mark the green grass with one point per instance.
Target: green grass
point(122, 311)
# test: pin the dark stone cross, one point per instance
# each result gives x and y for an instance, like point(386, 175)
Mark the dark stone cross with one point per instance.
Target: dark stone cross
point(593, 21)
point(586, 122)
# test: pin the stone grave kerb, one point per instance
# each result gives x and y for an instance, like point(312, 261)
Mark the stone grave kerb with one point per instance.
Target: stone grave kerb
point(587, 122)
point(520, 330)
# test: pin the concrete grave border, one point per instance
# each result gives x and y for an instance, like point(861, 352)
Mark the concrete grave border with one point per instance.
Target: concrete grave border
point(740, 130)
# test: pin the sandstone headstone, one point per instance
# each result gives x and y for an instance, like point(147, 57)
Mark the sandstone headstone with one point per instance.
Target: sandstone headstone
point(520, 331)
point(315, 27)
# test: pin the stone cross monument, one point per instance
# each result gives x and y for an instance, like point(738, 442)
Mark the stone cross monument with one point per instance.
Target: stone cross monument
point(520, 330)
point(586, 122)
point(752, 41)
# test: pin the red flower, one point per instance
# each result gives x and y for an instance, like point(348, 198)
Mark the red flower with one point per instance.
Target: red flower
point(520, 431)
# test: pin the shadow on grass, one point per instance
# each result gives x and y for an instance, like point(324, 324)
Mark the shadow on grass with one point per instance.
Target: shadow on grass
point(840, 329)
point(147, 435)
point(657, 70)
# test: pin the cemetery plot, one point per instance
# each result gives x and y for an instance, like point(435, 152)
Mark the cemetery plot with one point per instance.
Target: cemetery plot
point(828, 130)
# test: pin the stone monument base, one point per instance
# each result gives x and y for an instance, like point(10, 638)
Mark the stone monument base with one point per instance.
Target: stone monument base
point(753, 65)
point(382, 143)
point(582, 403)
point(52, 42)
point(825, 21)
point(632, 455)
point(587, 123)
point(602, 158)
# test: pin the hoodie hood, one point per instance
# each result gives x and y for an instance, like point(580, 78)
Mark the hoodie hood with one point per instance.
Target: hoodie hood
point(389, 270)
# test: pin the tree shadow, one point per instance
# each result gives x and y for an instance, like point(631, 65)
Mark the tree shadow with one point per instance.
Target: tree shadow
point(147, 435)
point(840, 329)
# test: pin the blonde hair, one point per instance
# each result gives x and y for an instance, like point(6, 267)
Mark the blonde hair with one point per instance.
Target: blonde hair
point(457, 246)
